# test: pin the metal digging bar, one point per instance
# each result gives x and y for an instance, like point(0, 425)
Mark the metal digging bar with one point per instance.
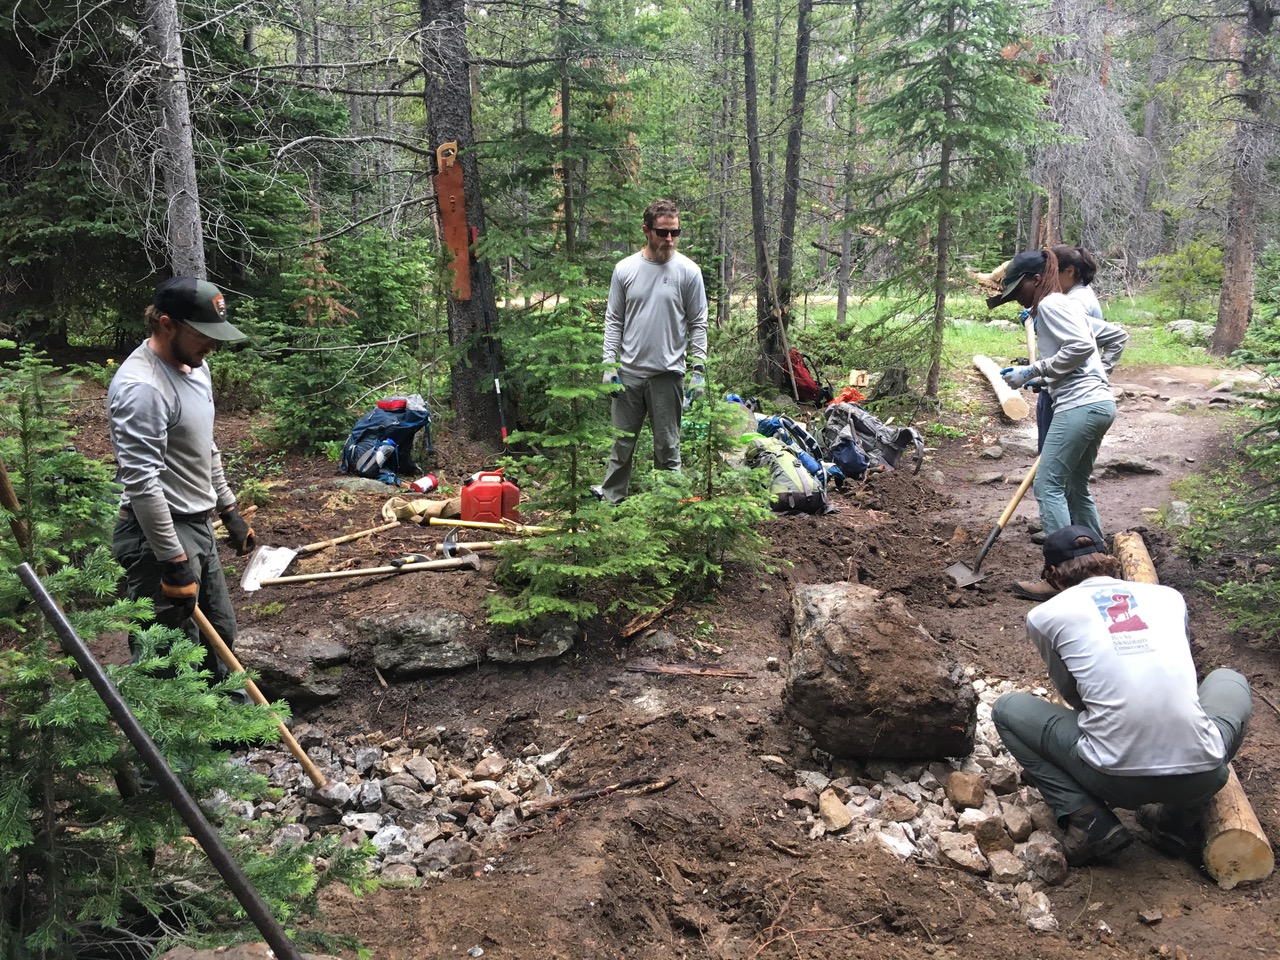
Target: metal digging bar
point(167, 781)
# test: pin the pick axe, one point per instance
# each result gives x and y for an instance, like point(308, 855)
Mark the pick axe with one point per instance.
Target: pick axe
point(449, 547)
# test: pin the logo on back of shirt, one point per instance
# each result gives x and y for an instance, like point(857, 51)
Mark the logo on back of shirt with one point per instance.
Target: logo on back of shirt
point(1118, 609)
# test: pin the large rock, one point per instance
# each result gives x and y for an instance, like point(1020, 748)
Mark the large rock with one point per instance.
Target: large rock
point(867, 680)
point(556, 640)
point(305, 671)
point(427, 642)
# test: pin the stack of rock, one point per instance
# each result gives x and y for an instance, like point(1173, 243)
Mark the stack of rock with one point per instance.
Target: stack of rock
point(972, 814)
point(427, 813)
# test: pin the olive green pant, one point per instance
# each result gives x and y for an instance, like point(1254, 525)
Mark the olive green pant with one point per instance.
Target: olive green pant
point(1043, 737)
point(660, 398)
point(142, 571)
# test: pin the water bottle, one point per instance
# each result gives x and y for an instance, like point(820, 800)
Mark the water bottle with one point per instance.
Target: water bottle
point(424, 484)
point(386, 451)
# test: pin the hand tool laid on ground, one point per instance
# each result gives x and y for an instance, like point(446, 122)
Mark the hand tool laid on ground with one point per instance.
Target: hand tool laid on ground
point(450, 547)
point(269, 562)
point(961, 574)
point(509, 527)
point(286, 737)
point(166, 780)
point(468, 561)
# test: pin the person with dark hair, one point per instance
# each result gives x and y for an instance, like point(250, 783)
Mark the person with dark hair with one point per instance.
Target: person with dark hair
point(160, 407)
point(1111, 339)
point(655, 317)
point(1071, 369)
point(1137, 732)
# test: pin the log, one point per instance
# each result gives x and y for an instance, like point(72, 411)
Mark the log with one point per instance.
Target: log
point(1236, 850)
point(1135, 561)
point(1013, 404)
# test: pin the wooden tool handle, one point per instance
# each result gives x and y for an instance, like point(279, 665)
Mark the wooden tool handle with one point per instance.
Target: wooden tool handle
point(346, 538)
point(449, 564)
point(224, 653)
point(485, 525)
point(1018, 494)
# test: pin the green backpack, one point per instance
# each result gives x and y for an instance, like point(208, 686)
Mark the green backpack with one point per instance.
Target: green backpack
point(795, 489)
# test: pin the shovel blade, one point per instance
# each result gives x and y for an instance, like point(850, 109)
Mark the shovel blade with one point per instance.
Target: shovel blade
point(963, 576)
point(266, 564)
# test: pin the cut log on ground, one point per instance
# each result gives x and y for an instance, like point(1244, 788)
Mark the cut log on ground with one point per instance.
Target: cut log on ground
point(1236, 850)
point(1012, 402)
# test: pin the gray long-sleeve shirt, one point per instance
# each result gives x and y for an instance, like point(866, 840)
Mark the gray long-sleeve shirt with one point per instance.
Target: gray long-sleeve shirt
point(1118, 652)
point(657, 313)
point(162, 433)
point(1111, 338)
point(1070, 363)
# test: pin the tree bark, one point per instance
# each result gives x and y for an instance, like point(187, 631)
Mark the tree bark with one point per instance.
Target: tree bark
point(1250, 148)
point(942, 241)
point(472, 323)
point(791, 173)
point(184, 234)
point(769, 368)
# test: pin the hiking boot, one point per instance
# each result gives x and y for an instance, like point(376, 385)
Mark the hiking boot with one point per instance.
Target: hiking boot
point(1175, 832)
point(1093, 833)
point(1037, 590)
point(1039, 536)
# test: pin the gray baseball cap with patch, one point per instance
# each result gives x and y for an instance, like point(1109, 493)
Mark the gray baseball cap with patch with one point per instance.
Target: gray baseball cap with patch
point(197, 303)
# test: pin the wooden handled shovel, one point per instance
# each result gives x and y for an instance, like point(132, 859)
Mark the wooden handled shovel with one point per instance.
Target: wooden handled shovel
point(269, 562)
point(465, 562)
point(226, 656)
point(963, 576)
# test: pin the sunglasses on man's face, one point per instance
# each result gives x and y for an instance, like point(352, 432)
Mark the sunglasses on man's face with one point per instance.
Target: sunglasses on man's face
point(665, 231)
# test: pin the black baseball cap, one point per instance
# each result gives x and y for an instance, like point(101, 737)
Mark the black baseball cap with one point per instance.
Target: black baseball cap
point(1027, 263)
point(1066, 543)
point(198, 303)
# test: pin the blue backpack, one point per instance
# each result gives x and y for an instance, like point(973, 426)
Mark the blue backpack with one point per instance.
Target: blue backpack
point(367, 452)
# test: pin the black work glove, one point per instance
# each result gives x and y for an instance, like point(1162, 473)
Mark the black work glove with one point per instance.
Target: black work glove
point(179, 586)
point(238, 531)
point(411, 558)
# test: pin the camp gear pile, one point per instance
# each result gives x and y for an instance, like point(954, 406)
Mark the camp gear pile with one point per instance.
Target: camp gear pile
point(380, 446)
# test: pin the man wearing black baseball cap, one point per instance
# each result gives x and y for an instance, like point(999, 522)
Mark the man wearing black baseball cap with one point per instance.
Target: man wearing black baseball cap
point(1137, 732)
point(160, 407)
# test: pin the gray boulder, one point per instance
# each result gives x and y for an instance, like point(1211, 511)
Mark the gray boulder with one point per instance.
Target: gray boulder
point(427, 642)
point(305, 671)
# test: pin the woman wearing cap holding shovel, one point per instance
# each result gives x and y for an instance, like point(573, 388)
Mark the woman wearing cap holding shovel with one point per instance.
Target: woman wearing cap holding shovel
point(1083, 407)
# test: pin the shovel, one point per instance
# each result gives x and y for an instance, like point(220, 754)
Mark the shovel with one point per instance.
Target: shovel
point(466, 561)
point(270, 562)
point(961, 574)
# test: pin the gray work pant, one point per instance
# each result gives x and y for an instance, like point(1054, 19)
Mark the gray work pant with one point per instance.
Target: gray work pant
point(1043, 736)
point(660, 397)
point(1067, 456)
point(142, 571)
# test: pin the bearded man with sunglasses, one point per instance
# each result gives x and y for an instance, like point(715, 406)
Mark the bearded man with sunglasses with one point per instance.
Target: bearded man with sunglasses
point(160, 407)
point(656, 317)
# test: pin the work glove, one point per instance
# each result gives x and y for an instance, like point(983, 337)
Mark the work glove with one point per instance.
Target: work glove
point(411, 558)
point(610, 375)
point(238, 531)
point(694, 387)
point(179, 586)
point(1017, 377)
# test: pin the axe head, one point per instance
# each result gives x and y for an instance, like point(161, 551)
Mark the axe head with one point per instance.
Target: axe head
point(468, 559)
point(449, 546)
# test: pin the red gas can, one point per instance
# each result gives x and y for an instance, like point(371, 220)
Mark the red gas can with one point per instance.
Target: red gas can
point(489, 497)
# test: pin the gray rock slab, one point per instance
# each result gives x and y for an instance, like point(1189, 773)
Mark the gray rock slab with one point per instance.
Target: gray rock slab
point(429, 642)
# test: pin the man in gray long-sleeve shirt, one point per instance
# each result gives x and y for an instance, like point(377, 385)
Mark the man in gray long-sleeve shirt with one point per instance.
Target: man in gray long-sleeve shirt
point(657, 313)
point(160, 406)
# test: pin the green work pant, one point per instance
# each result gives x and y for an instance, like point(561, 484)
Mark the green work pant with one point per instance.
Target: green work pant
point(1070, 448)
point(1043, 737)
point(142, 571)
point(659, 397)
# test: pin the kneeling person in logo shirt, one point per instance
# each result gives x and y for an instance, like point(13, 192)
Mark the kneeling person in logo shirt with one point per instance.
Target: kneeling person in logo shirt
point(1138, 733)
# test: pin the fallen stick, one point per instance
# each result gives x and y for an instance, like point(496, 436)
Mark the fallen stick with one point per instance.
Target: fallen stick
point(640, 621)
point(1236, 850)
point(692, 670)
point(1012, 402)
point(647, 785)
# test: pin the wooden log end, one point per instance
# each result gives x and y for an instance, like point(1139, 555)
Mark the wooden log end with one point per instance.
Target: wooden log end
point(1015, 408)
point(1238, 856)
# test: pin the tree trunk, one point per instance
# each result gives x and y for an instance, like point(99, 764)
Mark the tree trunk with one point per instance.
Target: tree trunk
point(566, 165)
point(184, 235)
point(473, 322)
point(943, 239)
point(1251, 147)
point(769, 367)
point(791, 174)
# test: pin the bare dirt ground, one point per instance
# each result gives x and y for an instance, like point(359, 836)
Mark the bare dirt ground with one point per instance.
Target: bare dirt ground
point(716, 865)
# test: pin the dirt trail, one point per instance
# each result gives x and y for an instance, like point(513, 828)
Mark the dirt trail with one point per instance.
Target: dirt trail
point(717, 866)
